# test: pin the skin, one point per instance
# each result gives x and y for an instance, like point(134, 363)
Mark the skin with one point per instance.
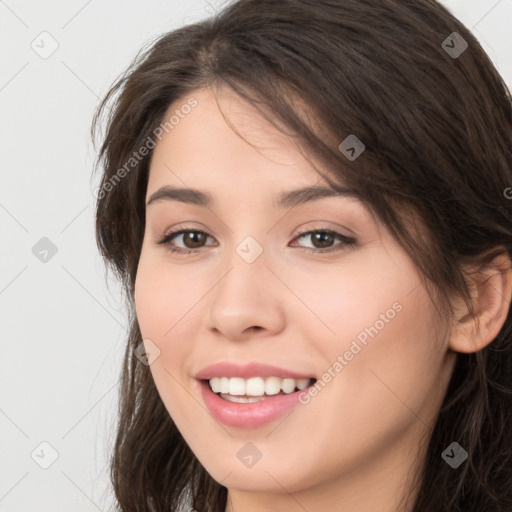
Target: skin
point(357, 444)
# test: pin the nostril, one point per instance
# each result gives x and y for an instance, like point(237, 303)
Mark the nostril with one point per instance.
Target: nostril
point(256, 328)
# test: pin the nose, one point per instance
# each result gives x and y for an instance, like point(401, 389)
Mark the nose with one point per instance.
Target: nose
point(247, 301)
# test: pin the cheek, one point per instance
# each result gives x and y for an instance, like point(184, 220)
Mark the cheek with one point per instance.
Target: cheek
point(344, 299)
point(164, 303)
point(164, 297)
point(390, 373)
point(163, 308)
point(374, 393)
point(383, 357)
point(169, 304)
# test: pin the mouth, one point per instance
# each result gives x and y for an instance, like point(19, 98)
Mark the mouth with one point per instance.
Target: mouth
point(255, 389)
point(254, 402)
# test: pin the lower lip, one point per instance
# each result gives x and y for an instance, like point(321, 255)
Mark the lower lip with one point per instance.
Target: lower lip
point(248, 415)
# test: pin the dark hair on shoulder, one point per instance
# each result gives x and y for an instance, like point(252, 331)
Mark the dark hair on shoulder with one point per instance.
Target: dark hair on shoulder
point(438, 135)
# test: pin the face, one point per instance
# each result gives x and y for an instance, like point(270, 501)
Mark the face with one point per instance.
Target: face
point(315, 290)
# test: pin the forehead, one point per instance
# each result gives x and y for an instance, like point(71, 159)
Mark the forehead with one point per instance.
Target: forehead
point(204, 161)
point(204, 145)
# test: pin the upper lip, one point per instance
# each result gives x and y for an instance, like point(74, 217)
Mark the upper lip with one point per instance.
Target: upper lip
point(246, 371)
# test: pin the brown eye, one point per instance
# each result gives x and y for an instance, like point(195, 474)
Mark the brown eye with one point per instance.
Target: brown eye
point(322, 240)
point(192, 239)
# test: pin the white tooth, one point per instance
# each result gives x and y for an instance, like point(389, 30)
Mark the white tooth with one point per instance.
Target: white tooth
point(236, 386)
point(255, 386)
point(224, 385)
point(302, 383)
point(272, 385)
point(288, 385)
point(215, 384)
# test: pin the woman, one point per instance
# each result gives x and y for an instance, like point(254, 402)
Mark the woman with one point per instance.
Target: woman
point(306, 204)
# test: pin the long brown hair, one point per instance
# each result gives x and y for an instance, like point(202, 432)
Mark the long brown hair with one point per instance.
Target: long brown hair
point(437, 128)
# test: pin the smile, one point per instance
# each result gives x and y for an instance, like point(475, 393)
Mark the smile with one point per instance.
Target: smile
point(251, 411)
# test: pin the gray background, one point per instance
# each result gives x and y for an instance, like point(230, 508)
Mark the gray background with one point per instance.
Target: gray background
point(62, 329)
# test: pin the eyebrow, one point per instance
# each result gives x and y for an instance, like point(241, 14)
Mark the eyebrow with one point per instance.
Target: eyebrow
point(287, 199)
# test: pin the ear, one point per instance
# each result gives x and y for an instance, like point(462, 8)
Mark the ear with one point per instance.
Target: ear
point(491, 290)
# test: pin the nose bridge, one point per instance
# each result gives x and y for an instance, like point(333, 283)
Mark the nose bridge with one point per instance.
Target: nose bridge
point(245, 296)
point(247, 261)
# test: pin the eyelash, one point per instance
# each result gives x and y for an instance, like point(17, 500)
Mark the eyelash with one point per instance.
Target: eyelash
point(347, 242)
